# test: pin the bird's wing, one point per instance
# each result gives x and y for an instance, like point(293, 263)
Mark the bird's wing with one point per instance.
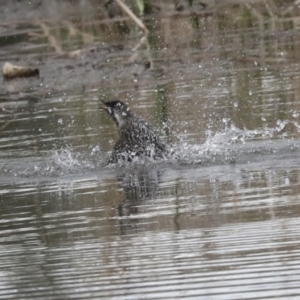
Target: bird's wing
point(137, 138)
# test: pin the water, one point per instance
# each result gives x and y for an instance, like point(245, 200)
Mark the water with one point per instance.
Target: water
point(219, 221)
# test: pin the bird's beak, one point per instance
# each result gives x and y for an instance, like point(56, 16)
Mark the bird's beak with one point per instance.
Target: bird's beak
point(104, 107)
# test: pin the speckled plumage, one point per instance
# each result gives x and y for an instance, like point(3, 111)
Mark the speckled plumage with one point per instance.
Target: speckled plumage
point(137, 137)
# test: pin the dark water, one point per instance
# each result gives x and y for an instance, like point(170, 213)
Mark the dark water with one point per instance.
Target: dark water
point(221, 221)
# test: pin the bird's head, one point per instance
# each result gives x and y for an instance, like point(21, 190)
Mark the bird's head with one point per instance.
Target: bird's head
point(118, 110)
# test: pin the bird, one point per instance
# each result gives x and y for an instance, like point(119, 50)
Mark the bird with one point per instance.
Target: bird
point(136, 137)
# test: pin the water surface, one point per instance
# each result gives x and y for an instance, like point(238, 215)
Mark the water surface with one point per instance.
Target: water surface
point(220, 221)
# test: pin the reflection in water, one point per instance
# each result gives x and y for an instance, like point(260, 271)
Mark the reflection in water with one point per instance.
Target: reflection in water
point(139, 185)
point(193, 229)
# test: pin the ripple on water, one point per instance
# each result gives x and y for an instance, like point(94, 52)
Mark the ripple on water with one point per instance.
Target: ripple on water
point(231, 261)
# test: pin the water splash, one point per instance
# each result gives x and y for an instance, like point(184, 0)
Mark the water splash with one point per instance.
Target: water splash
point(55, 163)
point(68, 160)
point(232, 145)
